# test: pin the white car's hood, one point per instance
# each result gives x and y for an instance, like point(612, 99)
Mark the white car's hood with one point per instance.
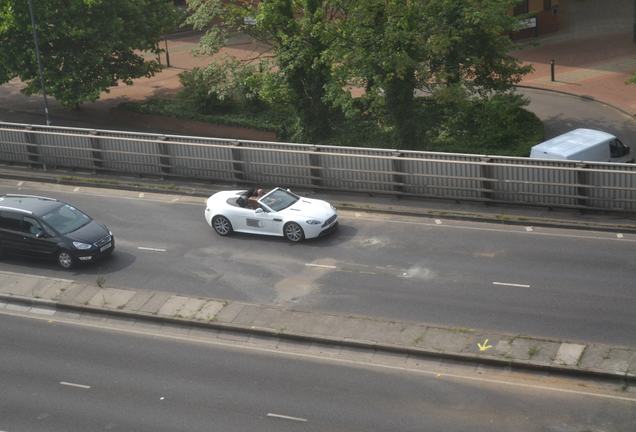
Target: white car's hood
point(310, 208)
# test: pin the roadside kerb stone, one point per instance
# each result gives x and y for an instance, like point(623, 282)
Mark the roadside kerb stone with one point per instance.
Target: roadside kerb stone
point(81, 294)
point(414, 339)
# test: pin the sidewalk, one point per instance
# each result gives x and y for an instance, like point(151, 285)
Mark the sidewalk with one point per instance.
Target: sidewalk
point(595, 67)
point(23, 293)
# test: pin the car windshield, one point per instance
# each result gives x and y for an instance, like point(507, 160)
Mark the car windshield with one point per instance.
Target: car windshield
point(279, 199)
point(66, 219)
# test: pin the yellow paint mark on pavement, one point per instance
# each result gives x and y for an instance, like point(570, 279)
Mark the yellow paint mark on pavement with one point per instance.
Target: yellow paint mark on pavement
point(484, 346)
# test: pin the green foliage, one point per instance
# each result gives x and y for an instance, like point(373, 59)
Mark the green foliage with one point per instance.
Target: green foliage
point(394, 47)
point(296, 32)
point(86, 46)
point(497, 124)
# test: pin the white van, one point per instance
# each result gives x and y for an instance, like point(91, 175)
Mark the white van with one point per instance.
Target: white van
point(584, 145)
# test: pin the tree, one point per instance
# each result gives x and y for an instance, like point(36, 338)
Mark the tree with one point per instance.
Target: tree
point(394, 47)
point(295, 31)
point(86, 46)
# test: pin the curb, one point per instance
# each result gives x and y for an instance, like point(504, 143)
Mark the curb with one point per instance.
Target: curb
point(300, 337)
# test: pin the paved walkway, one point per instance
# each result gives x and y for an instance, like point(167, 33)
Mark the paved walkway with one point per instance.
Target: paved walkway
point(597, 67)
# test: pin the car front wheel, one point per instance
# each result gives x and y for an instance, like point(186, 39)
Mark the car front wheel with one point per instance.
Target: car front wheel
point(221, 225)
point(65, 259)
point(293, 232)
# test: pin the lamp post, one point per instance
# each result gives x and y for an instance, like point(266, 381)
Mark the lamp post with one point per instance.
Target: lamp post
point(37, 56)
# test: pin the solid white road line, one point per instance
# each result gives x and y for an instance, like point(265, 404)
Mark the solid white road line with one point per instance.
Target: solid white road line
point(151, 249)
point(75, 385)
point(321, 266)
point(286, 417)
point(511, 284)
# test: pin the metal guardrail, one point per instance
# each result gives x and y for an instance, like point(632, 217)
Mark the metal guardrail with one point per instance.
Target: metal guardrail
point(497, 179)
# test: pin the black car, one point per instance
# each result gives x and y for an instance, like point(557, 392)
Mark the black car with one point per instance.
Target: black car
point(45, 227)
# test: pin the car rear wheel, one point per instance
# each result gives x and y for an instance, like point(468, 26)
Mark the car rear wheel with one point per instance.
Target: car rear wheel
point(221, 225)
point(65, 259)
point(293, 232)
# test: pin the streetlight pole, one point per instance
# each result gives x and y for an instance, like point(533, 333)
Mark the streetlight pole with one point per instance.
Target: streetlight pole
point(37, 56)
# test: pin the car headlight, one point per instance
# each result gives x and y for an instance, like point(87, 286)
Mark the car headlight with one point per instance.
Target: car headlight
point(313, 222)
point(81, 246)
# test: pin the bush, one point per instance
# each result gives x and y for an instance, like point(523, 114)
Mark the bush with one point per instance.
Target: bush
point(498, 125)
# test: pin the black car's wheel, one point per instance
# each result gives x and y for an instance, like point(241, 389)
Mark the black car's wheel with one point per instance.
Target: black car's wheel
point(293, 232)
point(221, 225)
point(65, 259)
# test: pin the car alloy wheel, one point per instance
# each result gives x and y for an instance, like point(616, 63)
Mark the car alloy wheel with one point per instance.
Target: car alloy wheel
point(65, 259)
point(293, 232)
point(221, 225)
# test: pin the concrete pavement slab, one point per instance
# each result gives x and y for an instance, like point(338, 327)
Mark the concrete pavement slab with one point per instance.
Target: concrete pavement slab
point(246, 316)
point(172, 306)
point(112, 298)
point(138, 300)
point(569, 354)
point(209, 310)
point(86, 293)
point(155, 302)
point(443, 340)
point(229, 312)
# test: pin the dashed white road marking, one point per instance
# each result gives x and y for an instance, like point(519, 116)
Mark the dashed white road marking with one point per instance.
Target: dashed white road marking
point(511, 284)
point(438, 221)
point(75, 385)
point(529, 229)
point(151, 249)
point(321, 266)
point(76, 189)
point(280, 416)
point(619, 235)
point(141, 194)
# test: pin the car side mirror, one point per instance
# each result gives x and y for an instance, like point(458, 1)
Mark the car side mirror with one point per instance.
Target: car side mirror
point(258, 210)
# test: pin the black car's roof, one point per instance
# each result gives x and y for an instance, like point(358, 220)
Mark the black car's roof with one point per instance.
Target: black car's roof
point(36, 205)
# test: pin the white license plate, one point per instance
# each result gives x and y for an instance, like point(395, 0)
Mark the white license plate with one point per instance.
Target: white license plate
point(105, 247)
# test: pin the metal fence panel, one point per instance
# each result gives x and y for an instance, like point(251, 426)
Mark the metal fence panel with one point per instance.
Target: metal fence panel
point(429, 174)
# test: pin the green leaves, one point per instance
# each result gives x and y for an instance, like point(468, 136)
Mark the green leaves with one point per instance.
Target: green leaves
point(86, 46)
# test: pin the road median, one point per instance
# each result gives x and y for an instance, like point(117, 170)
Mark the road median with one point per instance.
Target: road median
point(418, 339)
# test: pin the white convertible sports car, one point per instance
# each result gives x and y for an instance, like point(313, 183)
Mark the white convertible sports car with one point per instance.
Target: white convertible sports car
point(278, 212)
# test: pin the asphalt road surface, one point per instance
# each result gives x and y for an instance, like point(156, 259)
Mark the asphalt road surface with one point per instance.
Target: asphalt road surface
point(61, 378)
point(546, 282)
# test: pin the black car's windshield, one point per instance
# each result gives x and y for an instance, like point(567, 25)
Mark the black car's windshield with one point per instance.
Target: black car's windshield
point(66, 219)
point(279, 199)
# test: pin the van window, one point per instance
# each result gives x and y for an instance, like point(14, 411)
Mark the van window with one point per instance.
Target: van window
point(617, 148)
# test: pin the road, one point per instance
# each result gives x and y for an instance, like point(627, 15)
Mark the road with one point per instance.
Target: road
point(61, 378)
point(546, 282)
point(561, 113)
